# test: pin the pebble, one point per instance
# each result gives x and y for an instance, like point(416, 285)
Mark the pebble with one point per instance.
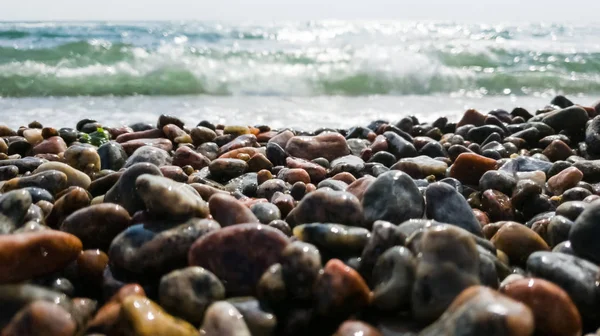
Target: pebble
point(469, 167)
point(334, 239)
point(393, 279)
point(83, 158)
point(554, 312)
point(327, 145)
point(392, 197)
point(27, 255)
point(447, 263)
point(228, 211)
point(340, 291)
point(480, 310)
point(222, 318)
point(446, 205)
point(564, 180)
point(584, 232)
point(421, 167)
point(300, 267)
point(97, 225)
point(518, 242)
point(574, 275)
point(184, 156)
point(41, 318)
point(112, 156)
point(326, 205)
point(187, 292)
point(142, 317)
point(124, 192)
point(52, 180)
point(169, 199)
point(75, 178)
point(148, 154)
point(238, 255)
point(14, 206)
point(156, 248)
point(260, 320)
point(353, 328)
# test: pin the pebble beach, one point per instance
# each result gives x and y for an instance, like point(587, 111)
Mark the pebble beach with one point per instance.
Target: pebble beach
point(487, 224)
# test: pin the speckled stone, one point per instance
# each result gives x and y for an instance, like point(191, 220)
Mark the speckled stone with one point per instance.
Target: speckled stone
point(238, 255)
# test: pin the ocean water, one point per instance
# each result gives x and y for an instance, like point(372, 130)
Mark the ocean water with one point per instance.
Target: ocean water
point(300, 74)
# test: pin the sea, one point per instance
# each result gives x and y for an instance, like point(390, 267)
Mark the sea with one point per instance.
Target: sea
point(304, 75)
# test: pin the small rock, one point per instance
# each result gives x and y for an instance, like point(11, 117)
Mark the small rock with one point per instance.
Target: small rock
point(564, 180)
point(228, 211)
point(393, 279)
point(327, 206)
point(169, 199)
point(469, 167)
point(327, 145)
point(446, 205)
point(41, 318)
point(238, 255)
point(554, 312)
point(142, 317)
point(188, 292)
point(222, 318)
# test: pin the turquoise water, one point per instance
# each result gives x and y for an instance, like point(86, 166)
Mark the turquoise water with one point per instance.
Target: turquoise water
point(285, 72)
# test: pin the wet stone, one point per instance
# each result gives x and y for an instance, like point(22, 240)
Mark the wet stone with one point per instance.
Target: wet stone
point(41, 318)
point(169, 199)
point(140, 316)
point(497, 205)
point(447, 263)
point(14, 206)
point(445, 204)
point(393, 279)
point(518, 242)
point(265, 212)
point(384, 235)
point(26, 255)
point(325, 205)
point(228, 211)
point(335, 185)
point(399, 146)
point(498, 180)
point(83, 158)
point(469, 167)
point(97, 225)
point(148, 154)
point(112, 156)
point(156, 248)
point(259, 320)
point(238, 255)
point(558, 230)
point(268, 188)
point(74, 176)
point(392, 197)
point(300, 267)
point(334, 240)
point(327, 145)
point(52, 180)
point(557, 150)
point(482, 311)
point(174, 173)
point(124, 192)
point(340, 291)
point(574, 275)
point(222, 318)
point(564, 180)
point(584, 233)
point(571, 118)
point(8, 172)
point(187, 292)
point(553, 310)
point(421, 167)
point(571, 209)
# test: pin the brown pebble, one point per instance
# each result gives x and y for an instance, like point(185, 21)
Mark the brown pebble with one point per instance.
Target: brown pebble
point(263, 175)
point(518, 242)
point(41, 318)
point(340, 291)
point(472, 117)
point(27, 255)
point(469, 167)
point(185, 156)
point(238, 255)
point(554, 311)
point(327, 145)
point(228, 211)
point(344, 177)
point(358, 187)
point(293, 175)
point(564, 180)
point(557, 150)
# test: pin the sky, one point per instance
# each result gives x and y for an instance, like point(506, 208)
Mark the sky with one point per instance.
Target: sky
point(273, 10)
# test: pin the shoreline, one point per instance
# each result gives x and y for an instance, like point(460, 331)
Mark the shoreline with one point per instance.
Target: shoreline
point(476, 221)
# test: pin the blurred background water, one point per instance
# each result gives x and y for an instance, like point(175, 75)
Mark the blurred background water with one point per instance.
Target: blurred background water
point(302, 74)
